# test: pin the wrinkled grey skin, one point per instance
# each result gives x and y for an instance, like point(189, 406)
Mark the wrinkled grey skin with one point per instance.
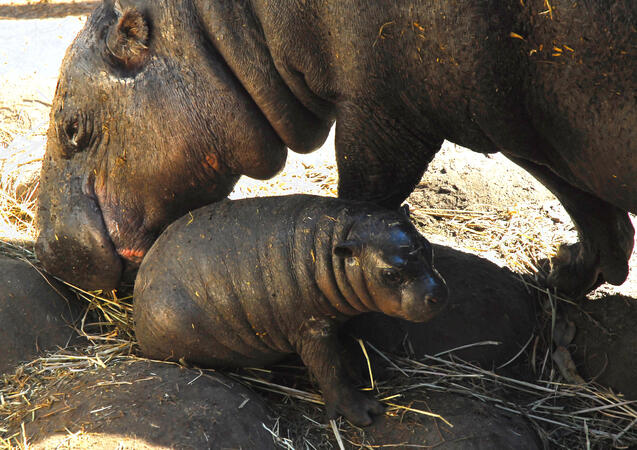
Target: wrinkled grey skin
point(246, 282)
point(181, 97)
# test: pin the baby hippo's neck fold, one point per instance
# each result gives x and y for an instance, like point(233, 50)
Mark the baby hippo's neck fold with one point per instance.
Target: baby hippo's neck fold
point(331, 273)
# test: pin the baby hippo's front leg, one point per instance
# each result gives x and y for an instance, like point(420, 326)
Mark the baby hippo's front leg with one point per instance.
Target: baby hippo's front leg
point(319, 348)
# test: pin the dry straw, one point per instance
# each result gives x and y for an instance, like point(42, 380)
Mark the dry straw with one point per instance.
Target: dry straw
point(564, 415)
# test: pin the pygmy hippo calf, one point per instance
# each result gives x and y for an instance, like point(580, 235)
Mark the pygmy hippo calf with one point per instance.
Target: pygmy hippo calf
point(246, 282)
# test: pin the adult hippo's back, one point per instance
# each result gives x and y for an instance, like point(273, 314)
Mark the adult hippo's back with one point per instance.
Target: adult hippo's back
point(161, 106)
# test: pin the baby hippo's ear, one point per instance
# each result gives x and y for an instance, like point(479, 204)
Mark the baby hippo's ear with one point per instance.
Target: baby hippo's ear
point(404, 210)
point(348, 249)
point(127, 40)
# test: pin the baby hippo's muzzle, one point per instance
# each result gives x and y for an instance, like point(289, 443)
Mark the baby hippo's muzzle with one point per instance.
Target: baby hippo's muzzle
point(424, 297)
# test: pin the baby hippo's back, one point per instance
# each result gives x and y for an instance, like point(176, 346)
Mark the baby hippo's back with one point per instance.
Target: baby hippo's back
point(230, 280)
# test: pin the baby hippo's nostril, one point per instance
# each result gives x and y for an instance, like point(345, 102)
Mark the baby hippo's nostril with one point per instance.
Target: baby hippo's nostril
point(439, 291)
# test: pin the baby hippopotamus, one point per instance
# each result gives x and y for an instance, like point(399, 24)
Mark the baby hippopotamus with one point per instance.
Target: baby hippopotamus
point(247, 282)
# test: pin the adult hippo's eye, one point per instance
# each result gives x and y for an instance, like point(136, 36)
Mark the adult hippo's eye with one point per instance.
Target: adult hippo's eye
point(75, 134)
point(71, 130)
point(392, 276)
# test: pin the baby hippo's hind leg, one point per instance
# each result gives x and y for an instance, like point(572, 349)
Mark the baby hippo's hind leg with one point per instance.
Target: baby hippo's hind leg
point(319, 349)
point(170, 325)
point(157, 319)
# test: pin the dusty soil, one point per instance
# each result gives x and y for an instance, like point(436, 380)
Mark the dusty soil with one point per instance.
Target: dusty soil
point(45, 9)
point(474, 427)
point(485, 206)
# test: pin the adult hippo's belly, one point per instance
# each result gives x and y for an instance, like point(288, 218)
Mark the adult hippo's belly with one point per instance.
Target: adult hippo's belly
point(162, 105)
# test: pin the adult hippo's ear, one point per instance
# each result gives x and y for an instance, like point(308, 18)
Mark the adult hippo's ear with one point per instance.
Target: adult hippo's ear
point(127, 39)
point(348, 249)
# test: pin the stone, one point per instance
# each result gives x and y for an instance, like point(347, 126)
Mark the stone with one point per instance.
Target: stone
point(35, 313)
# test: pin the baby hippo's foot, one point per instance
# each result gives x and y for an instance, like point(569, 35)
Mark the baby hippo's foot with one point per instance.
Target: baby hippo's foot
point(355, 406)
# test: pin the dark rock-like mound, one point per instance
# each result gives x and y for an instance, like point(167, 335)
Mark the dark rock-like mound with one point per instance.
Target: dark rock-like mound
point(605, 344)
point(34, 313)
point(144, 404)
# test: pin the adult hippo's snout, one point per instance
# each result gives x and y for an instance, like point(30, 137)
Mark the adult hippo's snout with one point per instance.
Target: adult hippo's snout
point(75, 245)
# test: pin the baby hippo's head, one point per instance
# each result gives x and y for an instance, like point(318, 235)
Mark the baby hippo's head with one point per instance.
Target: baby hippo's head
point(389, 265)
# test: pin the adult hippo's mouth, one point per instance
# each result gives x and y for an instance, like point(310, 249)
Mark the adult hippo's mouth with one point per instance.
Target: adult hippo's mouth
point(131, 247)
point(135, 256)
point(92, 236)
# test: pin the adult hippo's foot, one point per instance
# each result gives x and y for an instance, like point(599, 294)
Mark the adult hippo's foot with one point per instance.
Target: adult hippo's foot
point(606, 238)
point(573, 267)
point(601, 255)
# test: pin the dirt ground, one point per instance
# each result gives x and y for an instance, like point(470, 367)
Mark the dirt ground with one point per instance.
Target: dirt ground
point(481, 205)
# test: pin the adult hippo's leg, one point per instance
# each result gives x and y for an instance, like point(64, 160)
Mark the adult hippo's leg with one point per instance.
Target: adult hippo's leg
point(381, 158)
point(606, 237)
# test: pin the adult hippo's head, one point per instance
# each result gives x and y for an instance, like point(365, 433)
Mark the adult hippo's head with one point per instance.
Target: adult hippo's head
point(149, 121)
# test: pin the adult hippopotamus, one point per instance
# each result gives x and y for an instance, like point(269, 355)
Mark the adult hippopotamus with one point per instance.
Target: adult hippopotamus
point(162, 105)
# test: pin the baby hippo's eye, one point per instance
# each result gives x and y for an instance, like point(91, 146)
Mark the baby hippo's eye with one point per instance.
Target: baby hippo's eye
point(392, 276)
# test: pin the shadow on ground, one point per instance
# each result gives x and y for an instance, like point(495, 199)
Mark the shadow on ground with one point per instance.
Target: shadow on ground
point(605, 347)
point(487, 303)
